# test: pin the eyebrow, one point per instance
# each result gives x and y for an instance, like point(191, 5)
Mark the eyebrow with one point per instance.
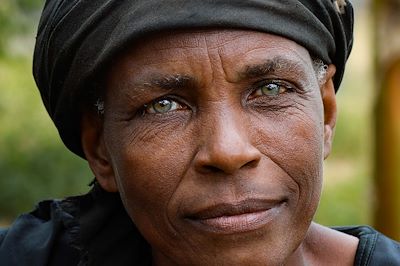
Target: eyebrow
point(277, 64)
point(171, 81)
point(274, 65)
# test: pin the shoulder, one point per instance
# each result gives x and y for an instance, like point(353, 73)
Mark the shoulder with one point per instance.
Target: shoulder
point(35, 237)
point(374, 248)
point(91, 229)
point(3, 233)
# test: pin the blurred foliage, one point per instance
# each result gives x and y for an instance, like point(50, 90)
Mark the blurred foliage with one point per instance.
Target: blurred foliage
point(35, 165)
point(33, 162)
point(349, 196)
point(16, 16)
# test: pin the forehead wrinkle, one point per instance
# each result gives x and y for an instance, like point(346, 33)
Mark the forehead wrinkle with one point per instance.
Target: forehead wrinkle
point(209, 56)
point(165, 42)
point(163, 57)
point(225, 69)
point(215, 40)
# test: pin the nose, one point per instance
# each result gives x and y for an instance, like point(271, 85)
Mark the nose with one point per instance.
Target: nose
point(226, 146)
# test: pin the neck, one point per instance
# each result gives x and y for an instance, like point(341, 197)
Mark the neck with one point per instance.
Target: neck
point(325, 246)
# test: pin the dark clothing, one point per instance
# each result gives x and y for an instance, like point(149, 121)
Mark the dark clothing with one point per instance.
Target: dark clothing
point(373, 248)
point(94, 229)
point(77, 40)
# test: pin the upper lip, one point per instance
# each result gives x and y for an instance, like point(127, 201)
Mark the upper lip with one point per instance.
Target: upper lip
point(236, 208)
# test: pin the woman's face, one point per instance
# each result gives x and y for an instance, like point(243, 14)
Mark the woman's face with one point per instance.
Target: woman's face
point(215, 140)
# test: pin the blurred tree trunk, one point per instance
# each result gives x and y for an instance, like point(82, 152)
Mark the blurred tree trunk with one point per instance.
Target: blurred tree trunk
point(387, 116)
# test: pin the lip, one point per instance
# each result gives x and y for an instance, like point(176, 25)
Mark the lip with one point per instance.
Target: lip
point(239, 217)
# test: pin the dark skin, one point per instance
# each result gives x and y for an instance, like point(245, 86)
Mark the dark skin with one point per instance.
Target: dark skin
point(215, 140)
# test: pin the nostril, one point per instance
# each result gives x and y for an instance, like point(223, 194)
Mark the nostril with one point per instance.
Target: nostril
point(226, 167)
point(251, 164)
point(226, 151)
point(212, 169)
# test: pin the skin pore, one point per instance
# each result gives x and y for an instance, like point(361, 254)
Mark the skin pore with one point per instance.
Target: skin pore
point(215, 140)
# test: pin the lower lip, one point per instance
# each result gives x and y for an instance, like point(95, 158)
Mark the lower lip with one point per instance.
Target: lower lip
point(238, 223)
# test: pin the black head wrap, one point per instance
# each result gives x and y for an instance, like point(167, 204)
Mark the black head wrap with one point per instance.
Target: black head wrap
point(76, 38)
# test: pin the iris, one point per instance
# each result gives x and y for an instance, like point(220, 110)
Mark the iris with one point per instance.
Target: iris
point(162, 106)
point(270, 89)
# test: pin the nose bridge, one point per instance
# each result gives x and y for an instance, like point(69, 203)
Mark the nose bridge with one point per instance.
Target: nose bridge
point(227, 144)
point(229, 132)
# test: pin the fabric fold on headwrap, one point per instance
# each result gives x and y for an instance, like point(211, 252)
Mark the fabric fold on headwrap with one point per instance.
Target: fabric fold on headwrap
point(78, 38)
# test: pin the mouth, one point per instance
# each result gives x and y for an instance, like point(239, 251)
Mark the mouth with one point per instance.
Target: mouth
point(240, 217)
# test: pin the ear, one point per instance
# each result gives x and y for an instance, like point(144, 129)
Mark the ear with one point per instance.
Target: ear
point(96, 151)
point(330, 111)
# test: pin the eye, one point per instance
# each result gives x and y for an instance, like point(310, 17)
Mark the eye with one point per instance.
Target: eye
point(162, 106)
point(270, 88)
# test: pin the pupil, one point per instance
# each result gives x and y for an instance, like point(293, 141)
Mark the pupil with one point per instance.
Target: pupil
point(162, 106)
point(271, 89)
point(163, 103)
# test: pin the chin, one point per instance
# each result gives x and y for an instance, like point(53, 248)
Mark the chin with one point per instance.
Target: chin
point(274, 243)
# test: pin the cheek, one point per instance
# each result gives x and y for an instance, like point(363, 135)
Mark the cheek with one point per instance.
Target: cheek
point(149, 163)
point(293, 140)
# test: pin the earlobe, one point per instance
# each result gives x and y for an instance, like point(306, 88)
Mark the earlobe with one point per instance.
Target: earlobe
point(96, 152)
point(330, 111)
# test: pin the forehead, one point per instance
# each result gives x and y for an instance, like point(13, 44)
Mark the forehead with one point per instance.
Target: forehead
point(206, 54)
point(229, 44)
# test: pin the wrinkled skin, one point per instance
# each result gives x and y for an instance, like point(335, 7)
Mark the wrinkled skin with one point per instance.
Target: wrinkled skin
point(215, 140)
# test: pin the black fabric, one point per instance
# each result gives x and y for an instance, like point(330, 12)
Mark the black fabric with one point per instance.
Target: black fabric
point(373, 248)
point(77, 38)
point(108, 236)
point(45, 236)
point(89, 230)
point(94, 229)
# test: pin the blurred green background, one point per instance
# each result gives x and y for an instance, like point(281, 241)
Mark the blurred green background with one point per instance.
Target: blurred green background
point(34, 164)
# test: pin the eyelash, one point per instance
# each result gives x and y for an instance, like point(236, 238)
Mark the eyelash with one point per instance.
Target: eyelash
point(152, 105)
point(178, 105)
point(285, 86)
